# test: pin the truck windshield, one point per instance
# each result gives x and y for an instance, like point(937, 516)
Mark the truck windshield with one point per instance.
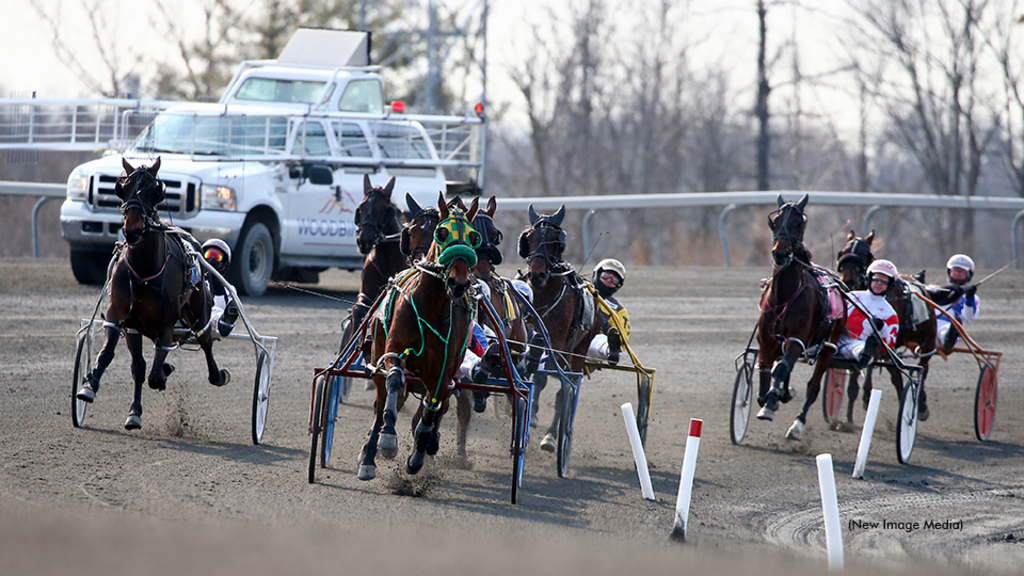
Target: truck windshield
point(174, 133)
point(274, 90)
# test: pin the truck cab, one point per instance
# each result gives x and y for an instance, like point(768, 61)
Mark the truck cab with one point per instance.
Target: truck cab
point(275, 168)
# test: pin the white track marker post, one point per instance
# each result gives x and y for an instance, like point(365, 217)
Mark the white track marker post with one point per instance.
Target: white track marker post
point(865, 434)
point(830, 510)
point(686, 480)
point(638, 451)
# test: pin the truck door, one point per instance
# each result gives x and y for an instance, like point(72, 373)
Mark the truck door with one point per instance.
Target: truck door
point(317, 223)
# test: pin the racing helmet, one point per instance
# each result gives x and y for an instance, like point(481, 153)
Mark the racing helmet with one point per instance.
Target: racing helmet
point(217, 253)
point(885, 268)
point(962, 261)
point(609, 265)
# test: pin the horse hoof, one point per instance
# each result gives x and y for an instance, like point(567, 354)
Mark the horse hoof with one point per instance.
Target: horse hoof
point(548, 443)
point(134, 422)
point(387, 445)
point(766, 414)
point(158, 383)
point(86, 394)
point(794, 431)
point(367, 472)
point(923, 413)
point(415, 463)
point(225, 377)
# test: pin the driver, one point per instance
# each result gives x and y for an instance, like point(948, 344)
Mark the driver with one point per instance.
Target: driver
point(865, 334)
point(959, 271)
point(608, 277)
point(225, 312)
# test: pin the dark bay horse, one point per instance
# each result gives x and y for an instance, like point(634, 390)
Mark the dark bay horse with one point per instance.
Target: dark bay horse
point(795, 317)
point(151, 291)
point(422, 330)
point(917, 321)
point(566, 307)
point(378, 227)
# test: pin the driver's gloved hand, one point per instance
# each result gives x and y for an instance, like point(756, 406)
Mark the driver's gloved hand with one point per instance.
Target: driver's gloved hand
point(230, 313)
point(878, 323)
point(969, 292)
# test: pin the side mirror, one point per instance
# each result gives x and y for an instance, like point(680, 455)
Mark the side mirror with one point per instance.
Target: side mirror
point(319, 174)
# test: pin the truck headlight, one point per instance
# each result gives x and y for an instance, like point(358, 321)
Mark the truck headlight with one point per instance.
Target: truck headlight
point(78, 185)
point(218, 198)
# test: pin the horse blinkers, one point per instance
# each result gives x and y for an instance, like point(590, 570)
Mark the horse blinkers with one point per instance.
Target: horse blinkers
point(406, 238)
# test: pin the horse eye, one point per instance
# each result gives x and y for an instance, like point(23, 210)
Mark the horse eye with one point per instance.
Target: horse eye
point(441, 235)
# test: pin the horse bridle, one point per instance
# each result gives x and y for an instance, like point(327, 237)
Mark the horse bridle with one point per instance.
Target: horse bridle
point(488, 246)
point(781, 231)
point(378, 227)
point(849, 254)
point(543, 227)
point(423, 242)
point(150, 216)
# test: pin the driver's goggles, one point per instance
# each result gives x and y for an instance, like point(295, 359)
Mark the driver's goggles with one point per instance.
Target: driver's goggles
point(213, 255)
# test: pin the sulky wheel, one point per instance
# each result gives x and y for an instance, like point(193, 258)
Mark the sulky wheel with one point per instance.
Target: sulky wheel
point(317, 419)
point(345, 381)
point(334, 386)
point(643, 408)
point(520, 429)
point(565, 425)
point(985, 403)
point(906, 431)
point(742, 396)
point(83, 365)
point(832, 394)
point(260, 397)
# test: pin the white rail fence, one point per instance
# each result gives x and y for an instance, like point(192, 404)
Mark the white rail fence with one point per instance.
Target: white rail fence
point(729, 200)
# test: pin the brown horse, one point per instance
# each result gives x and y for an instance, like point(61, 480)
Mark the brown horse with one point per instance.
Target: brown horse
point(917, 328)
point(151, 291)
point(565, 306)
point(794, 317)
point(422, 330)
point(379, 225)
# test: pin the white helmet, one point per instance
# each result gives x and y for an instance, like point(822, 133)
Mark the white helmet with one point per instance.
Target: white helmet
point(219, 245)
point(884, 267)
point(610, 265)
point(524, 289)
point(962, 261)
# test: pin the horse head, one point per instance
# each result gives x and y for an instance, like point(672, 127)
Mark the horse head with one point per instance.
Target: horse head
point(787, 225)
point(853, 260)
point(418, 234)
point(542, 244)
point(376, 216)
point(140, 192)
point(488, 254)
point(454, 246)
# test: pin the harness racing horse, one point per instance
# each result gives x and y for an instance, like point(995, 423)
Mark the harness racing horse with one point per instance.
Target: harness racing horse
point(565, 306)
point(151, 291)
point(379, 225)
point(422, 328)
point(505, 305)
point(794, 317)
point(916, 332)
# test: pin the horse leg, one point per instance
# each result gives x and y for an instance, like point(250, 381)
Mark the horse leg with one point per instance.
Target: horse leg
point(922, 404)
point(867, 387)
point(216, 376)
point(813, 389)
point(425, 432)
point(394, 384)
point(780, 383)
point(549, 442)
point(134, 342)
point(367, 465)
point(540, 381)
point(157, 375)
point(465, 413)
point(897, 381)
point(852, 389)
point(89, 388)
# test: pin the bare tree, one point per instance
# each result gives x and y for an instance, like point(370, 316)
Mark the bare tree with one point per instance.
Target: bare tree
point(1011, 68)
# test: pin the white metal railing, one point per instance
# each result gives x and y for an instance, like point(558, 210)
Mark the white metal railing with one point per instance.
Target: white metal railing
point(83, 124)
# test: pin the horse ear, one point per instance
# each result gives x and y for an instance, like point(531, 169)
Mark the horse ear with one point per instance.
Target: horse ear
point(442, 207)
point(413, 206)
point(558, 216)
point(492, 205)
point(128, 169)
point(473, 209)
point(366, 184)
point(779, 200)
point(155, 167)
point(802, 203)
point(406, 240)
point(533, 216)
point(851, 236)
point(524, 245)
point(870, 238)
point(389, 187)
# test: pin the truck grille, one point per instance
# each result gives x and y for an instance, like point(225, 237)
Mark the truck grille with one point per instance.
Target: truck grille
point(182, 195)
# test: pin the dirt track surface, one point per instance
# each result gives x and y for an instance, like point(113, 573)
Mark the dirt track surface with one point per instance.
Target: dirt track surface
point(189, 492)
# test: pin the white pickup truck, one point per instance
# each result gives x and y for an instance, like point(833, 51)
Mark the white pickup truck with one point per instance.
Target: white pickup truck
point(275, 168)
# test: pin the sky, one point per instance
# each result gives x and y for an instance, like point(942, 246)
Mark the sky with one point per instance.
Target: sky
point(727, 29)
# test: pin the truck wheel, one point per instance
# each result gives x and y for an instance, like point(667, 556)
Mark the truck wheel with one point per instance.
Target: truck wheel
point(89, 268)
point(253, 259)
